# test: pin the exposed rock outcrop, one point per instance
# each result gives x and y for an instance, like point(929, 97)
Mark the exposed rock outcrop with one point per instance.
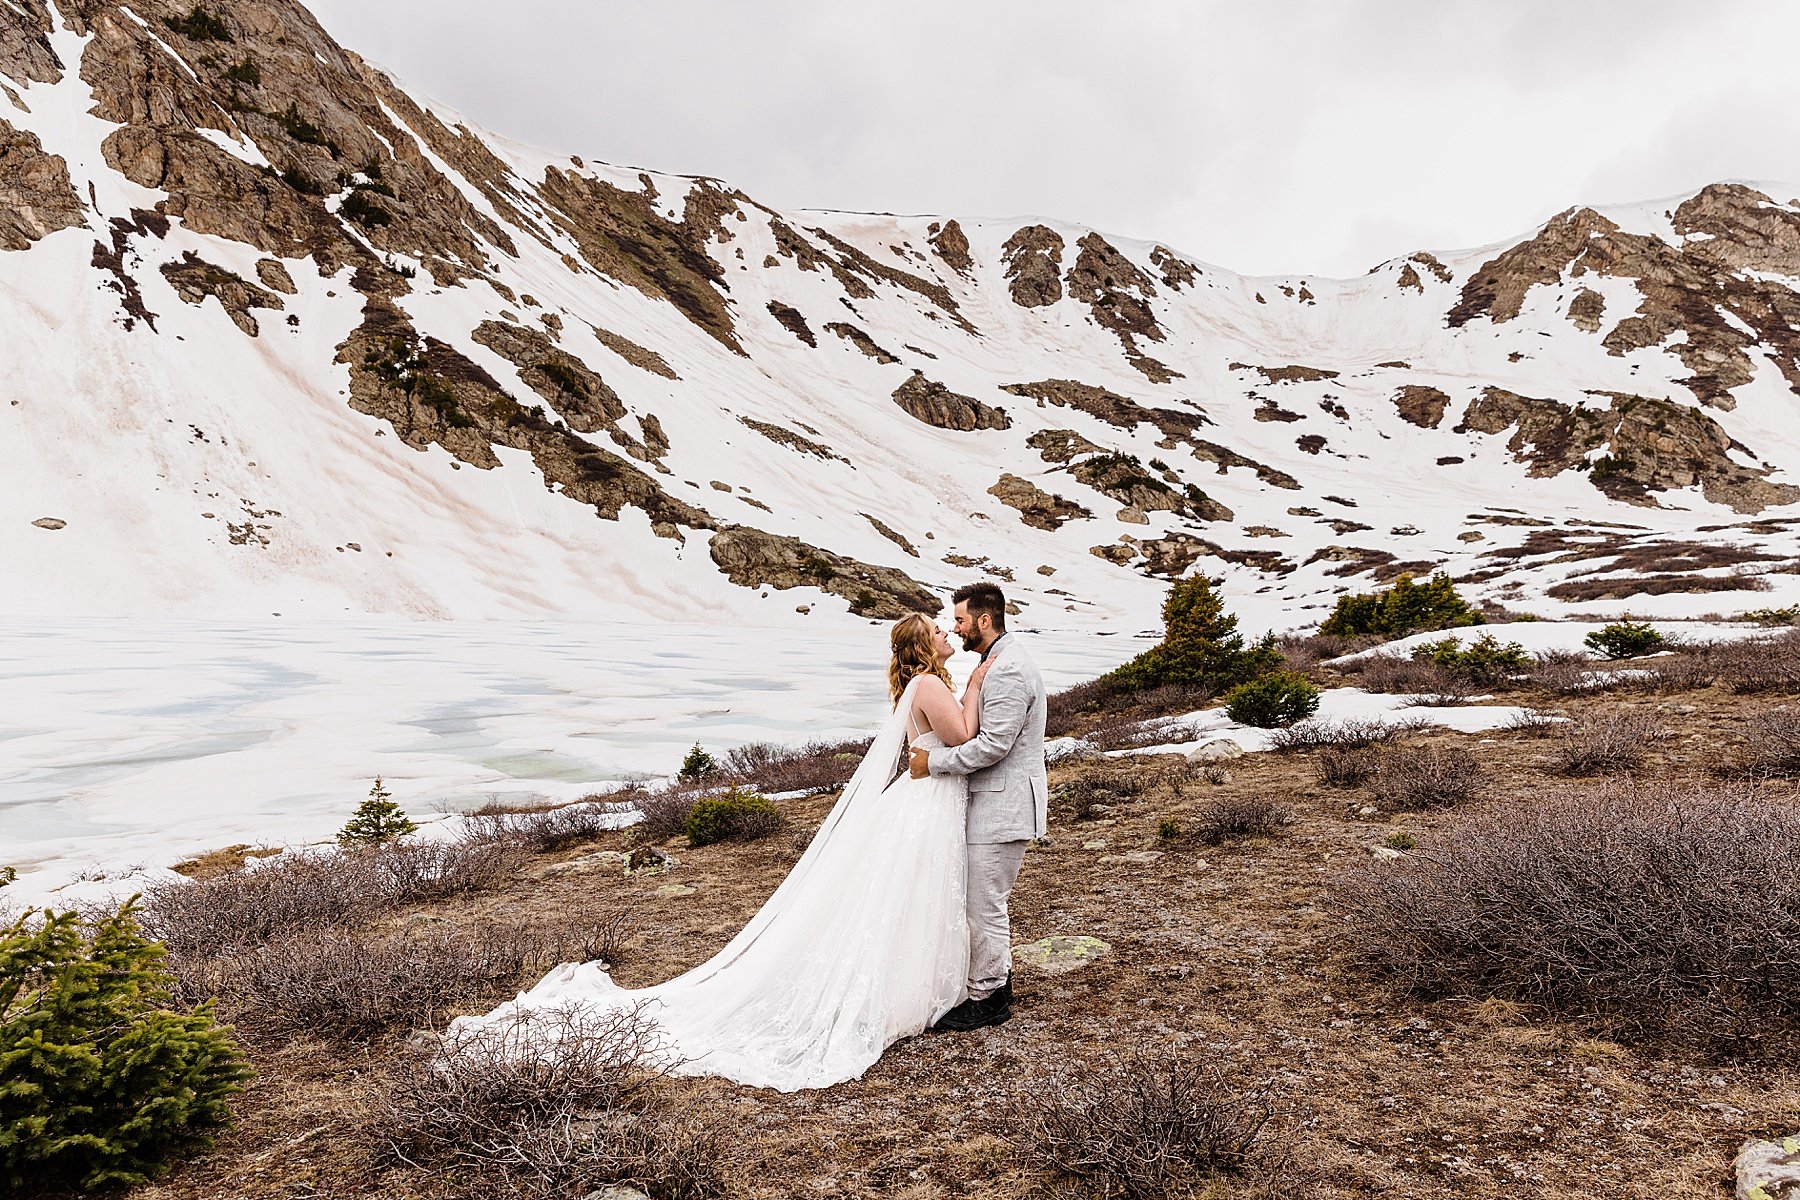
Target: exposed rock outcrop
point(792, 440)
point(860, 340)
point(1118, 293)
point(194, 279)
point(1060, 445)
point(952, 245)
point(1125, 479)
point(1420, 405)
point(752, 558)
point(638, 356)
point(1037, 508)
point(792, 320)
point(933, 403)
point(36, 197)
point(1120, 411)
point(1649, 445)
point(576, 393)
point(1033, 257)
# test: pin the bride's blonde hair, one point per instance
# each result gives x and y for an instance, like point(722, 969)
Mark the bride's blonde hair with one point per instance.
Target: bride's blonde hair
point(915, 653)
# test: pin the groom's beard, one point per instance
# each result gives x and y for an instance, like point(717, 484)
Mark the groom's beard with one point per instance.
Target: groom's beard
point(972, 643)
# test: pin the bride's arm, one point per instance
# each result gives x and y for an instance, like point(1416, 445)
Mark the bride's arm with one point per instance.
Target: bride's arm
point(971, 701)
point(948, 718)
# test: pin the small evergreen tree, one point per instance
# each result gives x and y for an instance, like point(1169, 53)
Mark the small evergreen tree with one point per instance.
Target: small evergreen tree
point(1625, 639)
point(377, 820)
point(1201, 646)
point(1274, 700)
point(1404, 608)
point(101, 1083)
point(698, 764)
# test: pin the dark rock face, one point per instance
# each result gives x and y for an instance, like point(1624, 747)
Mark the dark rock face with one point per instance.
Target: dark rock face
point(862, 341)
point(752, 558)
point(933, 403)
point(1034, 266)
point(793, 321)
point(36, 197)
point(1109, 406)
point(570, 386)
point(1118, 293)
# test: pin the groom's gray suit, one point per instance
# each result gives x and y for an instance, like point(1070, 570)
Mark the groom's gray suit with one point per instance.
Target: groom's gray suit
point(1008, 802)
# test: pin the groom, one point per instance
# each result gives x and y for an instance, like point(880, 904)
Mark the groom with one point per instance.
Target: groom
point(1008, 796)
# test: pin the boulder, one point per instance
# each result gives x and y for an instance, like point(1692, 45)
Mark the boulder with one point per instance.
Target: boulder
point(1060, 953)
point(1216, 750)
point(50, 523)
point(1135, 858)
point(670, 891)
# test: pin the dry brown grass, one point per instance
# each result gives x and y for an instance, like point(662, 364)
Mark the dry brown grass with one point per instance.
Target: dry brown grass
point(1771, 748)
point(1346, 766)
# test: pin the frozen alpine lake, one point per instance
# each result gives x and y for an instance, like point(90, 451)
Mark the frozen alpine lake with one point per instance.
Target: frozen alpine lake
point(128, 745)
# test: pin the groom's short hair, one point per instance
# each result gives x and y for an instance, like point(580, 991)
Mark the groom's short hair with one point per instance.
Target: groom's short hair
point(983, 597)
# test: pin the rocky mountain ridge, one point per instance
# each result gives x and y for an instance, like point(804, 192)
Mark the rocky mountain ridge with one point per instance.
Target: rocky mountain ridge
point(286, 335)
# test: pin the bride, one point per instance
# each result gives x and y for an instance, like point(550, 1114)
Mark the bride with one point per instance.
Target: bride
point(864, 943)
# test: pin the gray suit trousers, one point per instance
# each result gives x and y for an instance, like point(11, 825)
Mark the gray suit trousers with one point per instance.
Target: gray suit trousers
point(992, 868)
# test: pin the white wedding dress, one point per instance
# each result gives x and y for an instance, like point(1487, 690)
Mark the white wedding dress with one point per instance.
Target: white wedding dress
point(864, 943)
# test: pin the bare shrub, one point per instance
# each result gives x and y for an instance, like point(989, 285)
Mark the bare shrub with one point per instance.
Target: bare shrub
point(1394, 675)
point(1419, 777)
point(1345, 734)
point(1090, 795)
point(1145, 1124)
point(1131, 735)
point(1076, 707)
point(814, 767)
point(1565, 672)
point(1304, 651)
point(1761, 664)
point(666, 812)
point(1533, 723)
point(1600, 743)
point(1771, 747)
point(1234, 818)
point(560, 1103)
point(1346, 766)
point(346, 985)
point(1659, 908)
point(555, 828)
point(312, 888)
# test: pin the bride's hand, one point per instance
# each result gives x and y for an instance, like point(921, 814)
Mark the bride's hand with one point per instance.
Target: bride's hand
point(976, 676)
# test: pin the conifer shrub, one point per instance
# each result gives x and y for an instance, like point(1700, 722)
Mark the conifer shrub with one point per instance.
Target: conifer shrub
point(377, 821)
point(1273, 700)
point(1625, 639)
point(1406, 607)
point(101, 1082)
point(698, 764)
point(731, 816)
point(364, 211)
point(199, 25)
point(1485, 660)
point(1201, 646)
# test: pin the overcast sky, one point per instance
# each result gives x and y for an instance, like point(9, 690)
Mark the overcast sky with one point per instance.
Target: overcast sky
point(1267, 136)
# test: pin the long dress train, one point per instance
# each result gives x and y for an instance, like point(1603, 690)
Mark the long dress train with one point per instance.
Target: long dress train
point(864, 943)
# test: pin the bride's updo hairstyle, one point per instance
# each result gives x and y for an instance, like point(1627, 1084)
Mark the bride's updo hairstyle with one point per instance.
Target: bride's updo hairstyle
point(914, 654)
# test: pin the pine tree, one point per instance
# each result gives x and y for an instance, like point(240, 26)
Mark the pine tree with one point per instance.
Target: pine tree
point(377, 820)
point(104, 1084)
point(698, 764)
point(1201, 645)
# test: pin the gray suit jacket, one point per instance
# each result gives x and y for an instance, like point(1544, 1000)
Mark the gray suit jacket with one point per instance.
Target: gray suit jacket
point(1009, 792)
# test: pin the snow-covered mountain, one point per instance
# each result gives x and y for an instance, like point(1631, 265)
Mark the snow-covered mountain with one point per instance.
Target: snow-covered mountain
point(278, 335)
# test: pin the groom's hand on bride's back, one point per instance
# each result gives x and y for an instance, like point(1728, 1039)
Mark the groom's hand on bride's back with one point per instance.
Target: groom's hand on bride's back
point(920, 763)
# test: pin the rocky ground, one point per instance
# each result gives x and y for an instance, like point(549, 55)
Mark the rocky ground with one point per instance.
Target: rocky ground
point(1234, 953)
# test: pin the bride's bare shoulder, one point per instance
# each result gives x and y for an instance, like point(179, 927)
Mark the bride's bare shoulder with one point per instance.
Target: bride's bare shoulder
point(929, 684)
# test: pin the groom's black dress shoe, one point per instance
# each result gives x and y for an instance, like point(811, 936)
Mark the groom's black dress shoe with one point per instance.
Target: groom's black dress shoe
point(978, 1014)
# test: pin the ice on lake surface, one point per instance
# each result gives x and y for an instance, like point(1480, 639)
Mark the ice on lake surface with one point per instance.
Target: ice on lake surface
point(126, 746)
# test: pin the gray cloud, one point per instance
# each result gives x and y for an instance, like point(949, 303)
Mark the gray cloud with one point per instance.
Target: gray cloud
point(1300, 135)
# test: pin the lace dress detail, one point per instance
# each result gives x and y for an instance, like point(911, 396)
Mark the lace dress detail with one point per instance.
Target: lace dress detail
point(864, 943)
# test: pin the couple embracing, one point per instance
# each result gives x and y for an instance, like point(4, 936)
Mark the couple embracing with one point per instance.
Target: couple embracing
point(895, 918)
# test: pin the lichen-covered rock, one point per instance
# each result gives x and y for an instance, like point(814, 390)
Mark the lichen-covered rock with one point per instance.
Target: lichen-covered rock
point(1586, 309)
point(1768, 1170)
point(36, 197)
point(1037, 508)
point(1060, 445)
point(933, 403)
point(752, 558)
point(1120, 411)
point(1033, 257)
point(1060, 953)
